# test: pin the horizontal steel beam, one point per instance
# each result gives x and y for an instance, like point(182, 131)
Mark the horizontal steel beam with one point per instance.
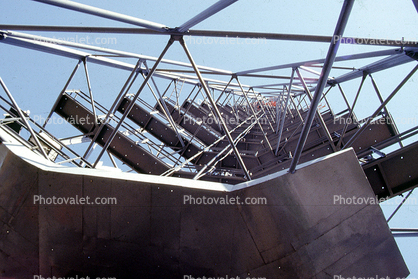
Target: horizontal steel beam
point(385, 63)
point(70, 5)
point(60, 50)
point(214, 33)
point(218, 6)
point(56, 46)
point(70, 43)
point(320, 61)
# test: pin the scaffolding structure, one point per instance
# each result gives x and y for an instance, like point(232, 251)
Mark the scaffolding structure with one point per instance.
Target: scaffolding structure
point(206, 124)
point(172, 118)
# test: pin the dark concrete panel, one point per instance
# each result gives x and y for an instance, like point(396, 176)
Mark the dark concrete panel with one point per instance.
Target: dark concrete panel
point(60, 226)
point(18, 217)
point(152, 233)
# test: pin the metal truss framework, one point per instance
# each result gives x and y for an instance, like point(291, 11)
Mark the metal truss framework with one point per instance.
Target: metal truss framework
point(205, 124)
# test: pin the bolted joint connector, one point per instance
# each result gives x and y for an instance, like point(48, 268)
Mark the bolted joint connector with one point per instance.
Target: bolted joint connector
point(144, 72)
point(176, 37)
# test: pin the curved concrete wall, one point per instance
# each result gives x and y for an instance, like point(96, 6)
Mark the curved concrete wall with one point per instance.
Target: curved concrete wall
point(302, 232)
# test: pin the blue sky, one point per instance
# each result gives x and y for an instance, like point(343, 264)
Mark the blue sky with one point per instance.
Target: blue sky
point(35, 79)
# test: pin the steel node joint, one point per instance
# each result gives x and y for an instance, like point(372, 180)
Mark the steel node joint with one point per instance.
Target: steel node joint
point(177, 37)
point(176, 31)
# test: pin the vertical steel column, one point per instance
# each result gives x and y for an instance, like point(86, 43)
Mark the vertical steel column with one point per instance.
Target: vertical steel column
point(329, 60)
point(231, 95)
point(283, 118)
point(177, 91)
point(128, 110)
point(301, 100)
point(399, 206)
point(62, 92)
point(366, 124)
point(326, 100)
point(306, 103)
point(229, 82)
point(344, 96)
point(290, 112)
point(350, 114)
point(117, 100)
point(318, 114)
point(90, 91)
point(191, 104)
point(278, 112)
point(270, 112)
point(244, 108)
point(165, 109)
point(211, 112)
point(215, 159)
point(112, 159)
point(19, 111)
point(227, 97)
point(264, 110)
point(297, 110)
point(388, 115)
point(190, 94)
point(168, 87)
point(234, 109)
point(255, 115)
point(215, 108)
point(298, 102)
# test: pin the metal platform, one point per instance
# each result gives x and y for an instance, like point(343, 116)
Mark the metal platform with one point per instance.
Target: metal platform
point(258, 160)
point(296, 134)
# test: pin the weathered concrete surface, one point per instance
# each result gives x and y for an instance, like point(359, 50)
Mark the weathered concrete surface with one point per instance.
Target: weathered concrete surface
point(152, 233)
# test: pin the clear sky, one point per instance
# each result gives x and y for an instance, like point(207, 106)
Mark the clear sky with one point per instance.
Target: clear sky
point(35, 78)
